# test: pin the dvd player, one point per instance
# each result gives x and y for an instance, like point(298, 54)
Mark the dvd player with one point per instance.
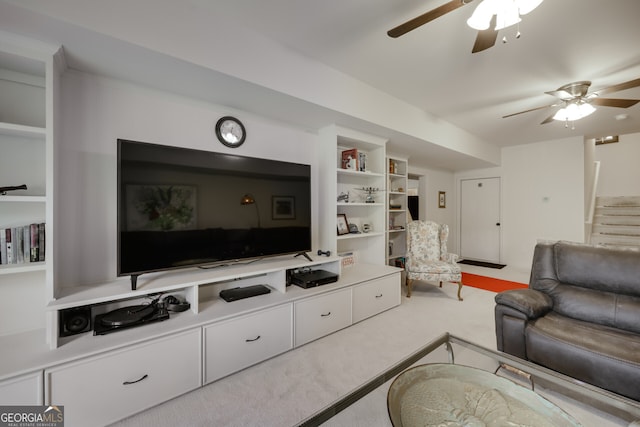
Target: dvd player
point(313, 278)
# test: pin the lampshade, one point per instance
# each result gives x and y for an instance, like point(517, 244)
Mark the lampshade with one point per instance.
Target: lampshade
point(507, 13)
point(247, 200)
point(574, 111)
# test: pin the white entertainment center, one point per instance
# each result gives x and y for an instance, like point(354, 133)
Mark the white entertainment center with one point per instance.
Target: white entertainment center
point(137, 368)
point(140, 367)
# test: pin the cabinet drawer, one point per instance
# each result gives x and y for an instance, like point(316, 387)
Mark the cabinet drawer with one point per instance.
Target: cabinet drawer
point(239, 343)
point(22, 390)
point(109, 387)
point(322, 315)
point(375, 296)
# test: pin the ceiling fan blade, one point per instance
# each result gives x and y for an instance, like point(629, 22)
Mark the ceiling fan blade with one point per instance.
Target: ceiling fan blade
point(617, 88)
point(533, 109)
point(548, 119)
point(426, 17)
point(486, 38)
point(610, 102)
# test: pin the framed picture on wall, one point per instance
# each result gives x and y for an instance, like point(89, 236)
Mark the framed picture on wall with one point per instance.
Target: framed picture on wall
point(283, 207)
point(442, 199)
point(343, 225)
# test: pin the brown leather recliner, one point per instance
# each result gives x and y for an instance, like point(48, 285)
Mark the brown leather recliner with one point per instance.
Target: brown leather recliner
point(580, 315)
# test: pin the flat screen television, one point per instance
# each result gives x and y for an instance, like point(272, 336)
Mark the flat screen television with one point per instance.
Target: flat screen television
point(180, 207)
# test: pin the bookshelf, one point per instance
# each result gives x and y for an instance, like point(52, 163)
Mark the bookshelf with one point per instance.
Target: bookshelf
point(397, 210)
point(29, 85)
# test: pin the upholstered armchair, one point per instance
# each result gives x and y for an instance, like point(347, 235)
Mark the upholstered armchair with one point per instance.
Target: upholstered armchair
point(427, 257)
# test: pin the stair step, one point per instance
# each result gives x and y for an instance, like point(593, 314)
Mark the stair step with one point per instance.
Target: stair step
point(618, 210)
point(617, 229)
point(616, 240)
point(618, 201)
point(633, 220)
point(616, 222)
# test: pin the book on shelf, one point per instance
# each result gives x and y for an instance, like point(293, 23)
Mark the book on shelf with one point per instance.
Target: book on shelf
point(23, 244)
point(3, 247)
point(41, 246)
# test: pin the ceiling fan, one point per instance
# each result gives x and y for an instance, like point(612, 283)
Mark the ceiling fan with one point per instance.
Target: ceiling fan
point(488, 17)
point(577, 102)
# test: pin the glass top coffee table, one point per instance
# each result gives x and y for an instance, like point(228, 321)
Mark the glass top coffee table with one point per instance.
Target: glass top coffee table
point(571, 401)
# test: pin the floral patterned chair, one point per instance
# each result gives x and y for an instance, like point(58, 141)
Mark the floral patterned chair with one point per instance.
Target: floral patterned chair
point(427, 257)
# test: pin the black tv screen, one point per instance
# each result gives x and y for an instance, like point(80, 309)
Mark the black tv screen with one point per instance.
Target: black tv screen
point(181, 207)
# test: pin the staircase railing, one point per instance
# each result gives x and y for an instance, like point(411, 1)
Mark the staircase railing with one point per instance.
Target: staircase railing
point(588, 225)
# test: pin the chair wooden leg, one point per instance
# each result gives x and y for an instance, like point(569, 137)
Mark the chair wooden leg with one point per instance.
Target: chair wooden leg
point(459, 290)
point(409, 283)
point(440, 284)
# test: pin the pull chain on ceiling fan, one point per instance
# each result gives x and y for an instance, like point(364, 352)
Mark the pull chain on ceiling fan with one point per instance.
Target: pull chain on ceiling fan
point(577, 103)
point(488, 17)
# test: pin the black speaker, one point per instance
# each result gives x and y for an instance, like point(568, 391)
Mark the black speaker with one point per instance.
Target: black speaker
point(75, 320)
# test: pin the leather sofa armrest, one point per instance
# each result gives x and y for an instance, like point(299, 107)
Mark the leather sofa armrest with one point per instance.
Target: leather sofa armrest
point(529, 302)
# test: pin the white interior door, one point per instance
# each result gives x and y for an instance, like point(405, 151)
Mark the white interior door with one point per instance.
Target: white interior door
point(480, 219)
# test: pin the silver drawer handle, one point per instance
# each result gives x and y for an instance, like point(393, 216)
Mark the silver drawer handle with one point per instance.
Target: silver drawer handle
point(379, 296)
point(136, 381)
point(255, 339)
point(325, 315)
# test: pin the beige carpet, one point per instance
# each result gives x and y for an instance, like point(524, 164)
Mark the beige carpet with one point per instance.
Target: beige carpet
point(287, 389)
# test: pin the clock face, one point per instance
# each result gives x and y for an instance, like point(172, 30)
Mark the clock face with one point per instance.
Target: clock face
point(230, 131)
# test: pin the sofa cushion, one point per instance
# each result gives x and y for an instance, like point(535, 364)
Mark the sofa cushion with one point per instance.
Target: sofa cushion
point(590, 283)
point(599, 268)
point(605, 308)
point(599, 355)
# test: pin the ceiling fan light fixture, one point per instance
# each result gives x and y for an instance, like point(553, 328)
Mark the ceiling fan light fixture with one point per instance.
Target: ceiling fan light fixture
point(526, 6)
point(481, 18)
point(508, 13)
point(574, 111)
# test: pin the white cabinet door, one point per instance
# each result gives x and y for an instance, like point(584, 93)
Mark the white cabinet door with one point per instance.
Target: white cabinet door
point(375, 296)
point(318, 316)
point(103, 389)
point(22, 390)
point(239, 343)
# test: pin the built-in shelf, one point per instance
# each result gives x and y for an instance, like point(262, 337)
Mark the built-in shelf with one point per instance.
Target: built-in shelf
point(397, 174)
point(11, 129)
point(22, 268)
point(174, 280)
point(359, 235)
point(23, 199)
point(361, 184)
point(361, 204)
point(365, 174)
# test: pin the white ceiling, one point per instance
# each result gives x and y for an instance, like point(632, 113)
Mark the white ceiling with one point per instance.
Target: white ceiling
point(431, 68)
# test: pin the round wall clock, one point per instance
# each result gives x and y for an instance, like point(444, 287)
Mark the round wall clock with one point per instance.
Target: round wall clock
point(230, 131)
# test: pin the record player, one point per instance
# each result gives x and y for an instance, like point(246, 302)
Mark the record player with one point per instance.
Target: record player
point(129, 317)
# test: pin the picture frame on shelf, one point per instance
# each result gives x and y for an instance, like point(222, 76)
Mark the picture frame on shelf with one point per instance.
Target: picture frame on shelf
point(362, 162)
point(350, 159)
point(343, 225)
point(283, 207)
point(442, 199)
